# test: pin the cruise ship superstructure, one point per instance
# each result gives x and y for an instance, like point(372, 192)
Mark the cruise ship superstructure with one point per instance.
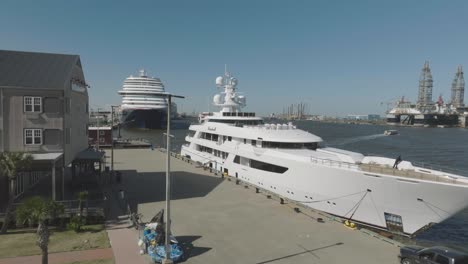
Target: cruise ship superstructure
point(292, 163)
point(143, 102)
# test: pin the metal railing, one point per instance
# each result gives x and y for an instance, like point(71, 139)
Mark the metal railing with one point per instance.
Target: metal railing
point(412, 174)
point(90, 207)
point(431, 166)
point(417, 173)
point(334, 163)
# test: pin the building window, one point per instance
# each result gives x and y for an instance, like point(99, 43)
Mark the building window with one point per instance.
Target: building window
point(102, 132)
point(33, 136)
point(32, 104)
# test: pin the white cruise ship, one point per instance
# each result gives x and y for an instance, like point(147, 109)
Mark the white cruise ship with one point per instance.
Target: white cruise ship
point(291, 163)
point(142, 105)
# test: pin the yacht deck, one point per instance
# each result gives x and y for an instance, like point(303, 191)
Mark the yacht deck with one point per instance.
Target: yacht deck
point(411, 174)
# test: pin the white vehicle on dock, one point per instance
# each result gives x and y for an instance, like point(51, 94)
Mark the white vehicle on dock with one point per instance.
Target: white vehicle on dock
point(290, 162)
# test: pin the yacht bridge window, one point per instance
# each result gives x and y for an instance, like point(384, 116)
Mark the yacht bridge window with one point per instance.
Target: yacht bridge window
point(288, 145)
point(238, 114)
point(215, 152)
point(260, 165)
point(237, 122)
point(209, 136)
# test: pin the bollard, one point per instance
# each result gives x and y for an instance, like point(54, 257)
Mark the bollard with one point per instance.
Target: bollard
point(281, 201)
point(268, 196)
point(257, 190)
point(297, 210)
point(237, 182)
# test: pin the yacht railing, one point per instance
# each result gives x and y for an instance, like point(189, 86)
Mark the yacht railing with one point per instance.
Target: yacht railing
point(334, 163)
point(412, 174)
point(430, 166)
point(419, 174)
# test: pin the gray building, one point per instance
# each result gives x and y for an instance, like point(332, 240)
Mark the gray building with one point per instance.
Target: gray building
point(43, 111)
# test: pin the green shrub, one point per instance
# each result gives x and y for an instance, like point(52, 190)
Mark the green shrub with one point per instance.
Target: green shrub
point(76, 223)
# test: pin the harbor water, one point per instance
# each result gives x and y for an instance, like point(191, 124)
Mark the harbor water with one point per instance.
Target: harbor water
point(436, 148)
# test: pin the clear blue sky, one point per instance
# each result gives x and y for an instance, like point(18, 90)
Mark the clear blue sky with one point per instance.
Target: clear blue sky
point(340, 57)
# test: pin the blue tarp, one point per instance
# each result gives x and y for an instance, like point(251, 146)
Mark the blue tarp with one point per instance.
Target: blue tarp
point(158, 253)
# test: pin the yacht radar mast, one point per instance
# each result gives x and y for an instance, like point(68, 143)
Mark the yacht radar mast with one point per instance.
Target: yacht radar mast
point(232, 101)
point(143, 73)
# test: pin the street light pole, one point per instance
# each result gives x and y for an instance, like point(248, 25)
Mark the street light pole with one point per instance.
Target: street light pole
point(168, 185)
point(97, 131)
point(167, 215)
point(112, 135)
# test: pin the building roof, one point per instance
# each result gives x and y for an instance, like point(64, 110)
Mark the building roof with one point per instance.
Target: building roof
point(19, 69)
point(46, 156)
point(100, 128)
point(89, 155)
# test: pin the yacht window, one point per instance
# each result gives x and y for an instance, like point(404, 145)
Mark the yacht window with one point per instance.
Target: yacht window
point(253, 142)
point(237, 122)
point(245, 141)
point(229, 138)
point(260, 165)
point(287, 145)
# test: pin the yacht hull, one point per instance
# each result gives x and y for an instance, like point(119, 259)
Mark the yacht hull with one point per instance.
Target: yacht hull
point(375, 199)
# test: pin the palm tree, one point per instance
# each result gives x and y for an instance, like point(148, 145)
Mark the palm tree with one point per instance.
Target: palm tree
point(10, 164)
point(37, 210)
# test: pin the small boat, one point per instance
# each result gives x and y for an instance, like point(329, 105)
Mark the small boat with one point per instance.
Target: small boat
point(391, 132)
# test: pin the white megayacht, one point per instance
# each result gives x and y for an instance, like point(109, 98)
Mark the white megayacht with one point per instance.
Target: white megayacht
point(291, 163)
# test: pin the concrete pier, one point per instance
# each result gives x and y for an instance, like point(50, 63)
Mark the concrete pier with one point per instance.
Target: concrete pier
point(217, 221)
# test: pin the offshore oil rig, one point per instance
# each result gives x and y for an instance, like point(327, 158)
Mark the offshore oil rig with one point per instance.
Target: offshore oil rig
point(428, 113)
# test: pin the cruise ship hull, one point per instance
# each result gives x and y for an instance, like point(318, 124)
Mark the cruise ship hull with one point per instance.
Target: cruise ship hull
point(144, 118)
point(345, 190)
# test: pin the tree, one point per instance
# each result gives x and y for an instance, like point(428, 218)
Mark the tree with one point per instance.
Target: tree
point(10, 164)
point(37, 210)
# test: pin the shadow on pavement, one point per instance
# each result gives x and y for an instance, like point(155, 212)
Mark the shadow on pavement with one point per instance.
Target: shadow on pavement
point(186, 242)
point(302, 252)
point(147, 187)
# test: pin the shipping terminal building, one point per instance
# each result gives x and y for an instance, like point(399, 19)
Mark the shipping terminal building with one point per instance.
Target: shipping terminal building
point(426, 112)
